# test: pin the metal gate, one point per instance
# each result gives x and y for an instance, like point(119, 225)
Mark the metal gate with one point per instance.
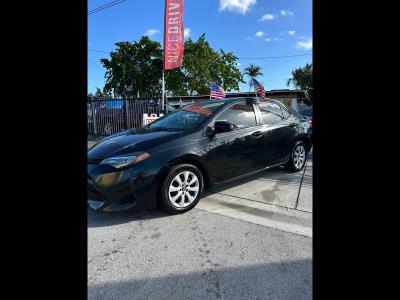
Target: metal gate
point(109, 116)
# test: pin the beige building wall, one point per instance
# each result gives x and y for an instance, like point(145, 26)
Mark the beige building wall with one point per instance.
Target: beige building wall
point(291, 102)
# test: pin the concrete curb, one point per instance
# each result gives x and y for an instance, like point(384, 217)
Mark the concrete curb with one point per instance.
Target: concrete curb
point(285, 219)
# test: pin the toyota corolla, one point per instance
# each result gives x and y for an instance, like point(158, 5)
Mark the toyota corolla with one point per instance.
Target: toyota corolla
point(168, 163)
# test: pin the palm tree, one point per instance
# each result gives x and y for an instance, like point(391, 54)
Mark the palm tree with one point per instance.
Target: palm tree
point(98, 93)
point(252, 71)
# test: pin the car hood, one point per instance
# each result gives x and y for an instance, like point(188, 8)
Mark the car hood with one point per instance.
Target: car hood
point(138, 139)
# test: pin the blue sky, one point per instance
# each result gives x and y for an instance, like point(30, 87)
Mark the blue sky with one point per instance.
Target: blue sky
point(248, 28)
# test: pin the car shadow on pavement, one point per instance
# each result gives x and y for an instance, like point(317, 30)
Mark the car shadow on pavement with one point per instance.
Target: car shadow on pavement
point(280, 280)
point(102, 219)
point(276, 174)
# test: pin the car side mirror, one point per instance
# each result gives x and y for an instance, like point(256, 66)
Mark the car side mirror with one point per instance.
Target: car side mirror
point(210, 132)
point(223, 126)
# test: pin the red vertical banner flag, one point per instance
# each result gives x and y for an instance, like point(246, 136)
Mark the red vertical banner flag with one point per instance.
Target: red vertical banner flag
point(173, 34)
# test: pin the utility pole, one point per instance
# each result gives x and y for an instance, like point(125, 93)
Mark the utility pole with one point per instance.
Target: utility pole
point(163, 91)
point(163, 67)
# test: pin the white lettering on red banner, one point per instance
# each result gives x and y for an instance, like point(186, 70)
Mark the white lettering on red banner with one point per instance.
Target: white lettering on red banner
point(173, 34)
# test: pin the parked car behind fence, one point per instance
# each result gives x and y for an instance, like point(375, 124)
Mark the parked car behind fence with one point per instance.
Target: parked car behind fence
point(110, 116)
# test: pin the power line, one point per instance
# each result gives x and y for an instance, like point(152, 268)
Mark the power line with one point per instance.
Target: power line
point(282, 79)
point(105, 6)
point(271, 57)
point(99, 51)
point(276, 79)
point(267, 57)
point(269, 80)
point(101, 6)
point(93, 63)
point(110, 4)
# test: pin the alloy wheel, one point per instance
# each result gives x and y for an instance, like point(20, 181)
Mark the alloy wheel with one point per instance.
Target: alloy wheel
point(299, 156)
point(183, 189)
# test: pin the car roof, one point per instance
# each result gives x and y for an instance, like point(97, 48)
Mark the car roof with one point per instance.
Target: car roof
point(232, 100)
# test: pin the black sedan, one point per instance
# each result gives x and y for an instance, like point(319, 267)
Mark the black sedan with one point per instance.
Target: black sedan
point(169, 162)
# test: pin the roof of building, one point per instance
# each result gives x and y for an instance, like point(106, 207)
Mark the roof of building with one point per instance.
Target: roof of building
point(298, 93)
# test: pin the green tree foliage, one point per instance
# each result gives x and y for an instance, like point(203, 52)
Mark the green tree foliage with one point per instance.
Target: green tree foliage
point(302, 79)
point(134, 68)
point(201, 67)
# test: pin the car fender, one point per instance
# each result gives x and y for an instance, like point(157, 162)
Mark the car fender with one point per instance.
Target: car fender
point(189, 158)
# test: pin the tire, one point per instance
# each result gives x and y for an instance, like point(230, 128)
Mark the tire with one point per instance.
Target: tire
point(173, 193)
point(298, 157)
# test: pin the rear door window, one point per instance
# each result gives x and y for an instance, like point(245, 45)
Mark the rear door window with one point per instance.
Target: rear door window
point(241, 114)
point(271, 112)
point(285, 112)
point(296, 113)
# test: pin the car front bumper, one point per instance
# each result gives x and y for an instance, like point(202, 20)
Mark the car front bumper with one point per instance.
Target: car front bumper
point(109, 189)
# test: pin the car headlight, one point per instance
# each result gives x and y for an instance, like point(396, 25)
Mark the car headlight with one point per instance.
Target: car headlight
point(124, 161)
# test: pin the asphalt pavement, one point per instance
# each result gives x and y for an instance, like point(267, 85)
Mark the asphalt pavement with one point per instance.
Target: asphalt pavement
point(196, 255)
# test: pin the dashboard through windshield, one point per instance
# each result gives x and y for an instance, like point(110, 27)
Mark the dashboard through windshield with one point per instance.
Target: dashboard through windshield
point(188, 117)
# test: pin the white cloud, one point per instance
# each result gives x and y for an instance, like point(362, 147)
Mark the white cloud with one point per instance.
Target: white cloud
point(286, 13)
point(240, 6)
point(277, 39)
point(152, 32)
point(260, 34)
point(187, 32)
point(250, 38)
point(305, 45)
point(267, 17)
point(291, 32)
point(267, 39)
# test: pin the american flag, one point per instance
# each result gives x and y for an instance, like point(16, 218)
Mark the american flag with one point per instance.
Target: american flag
point(259, 88)
point(217, 92)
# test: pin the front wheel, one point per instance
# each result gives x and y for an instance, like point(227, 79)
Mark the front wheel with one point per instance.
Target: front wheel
point(181, 188)
point(297, 159)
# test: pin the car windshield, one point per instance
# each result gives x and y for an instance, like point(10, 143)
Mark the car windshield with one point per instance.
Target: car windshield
point(170, 108)
point(186, 118)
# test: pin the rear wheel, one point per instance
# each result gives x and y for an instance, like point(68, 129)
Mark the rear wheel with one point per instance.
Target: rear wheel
point(297, 159)
point(181, 189)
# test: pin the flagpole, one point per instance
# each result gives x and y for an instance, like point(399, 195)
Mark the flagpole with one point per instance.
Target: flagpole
point(163, 67)
point(163, 91)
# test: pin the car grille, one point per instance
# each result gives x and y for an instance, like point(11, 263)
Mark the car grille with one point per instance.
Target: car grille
point(95, 196)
